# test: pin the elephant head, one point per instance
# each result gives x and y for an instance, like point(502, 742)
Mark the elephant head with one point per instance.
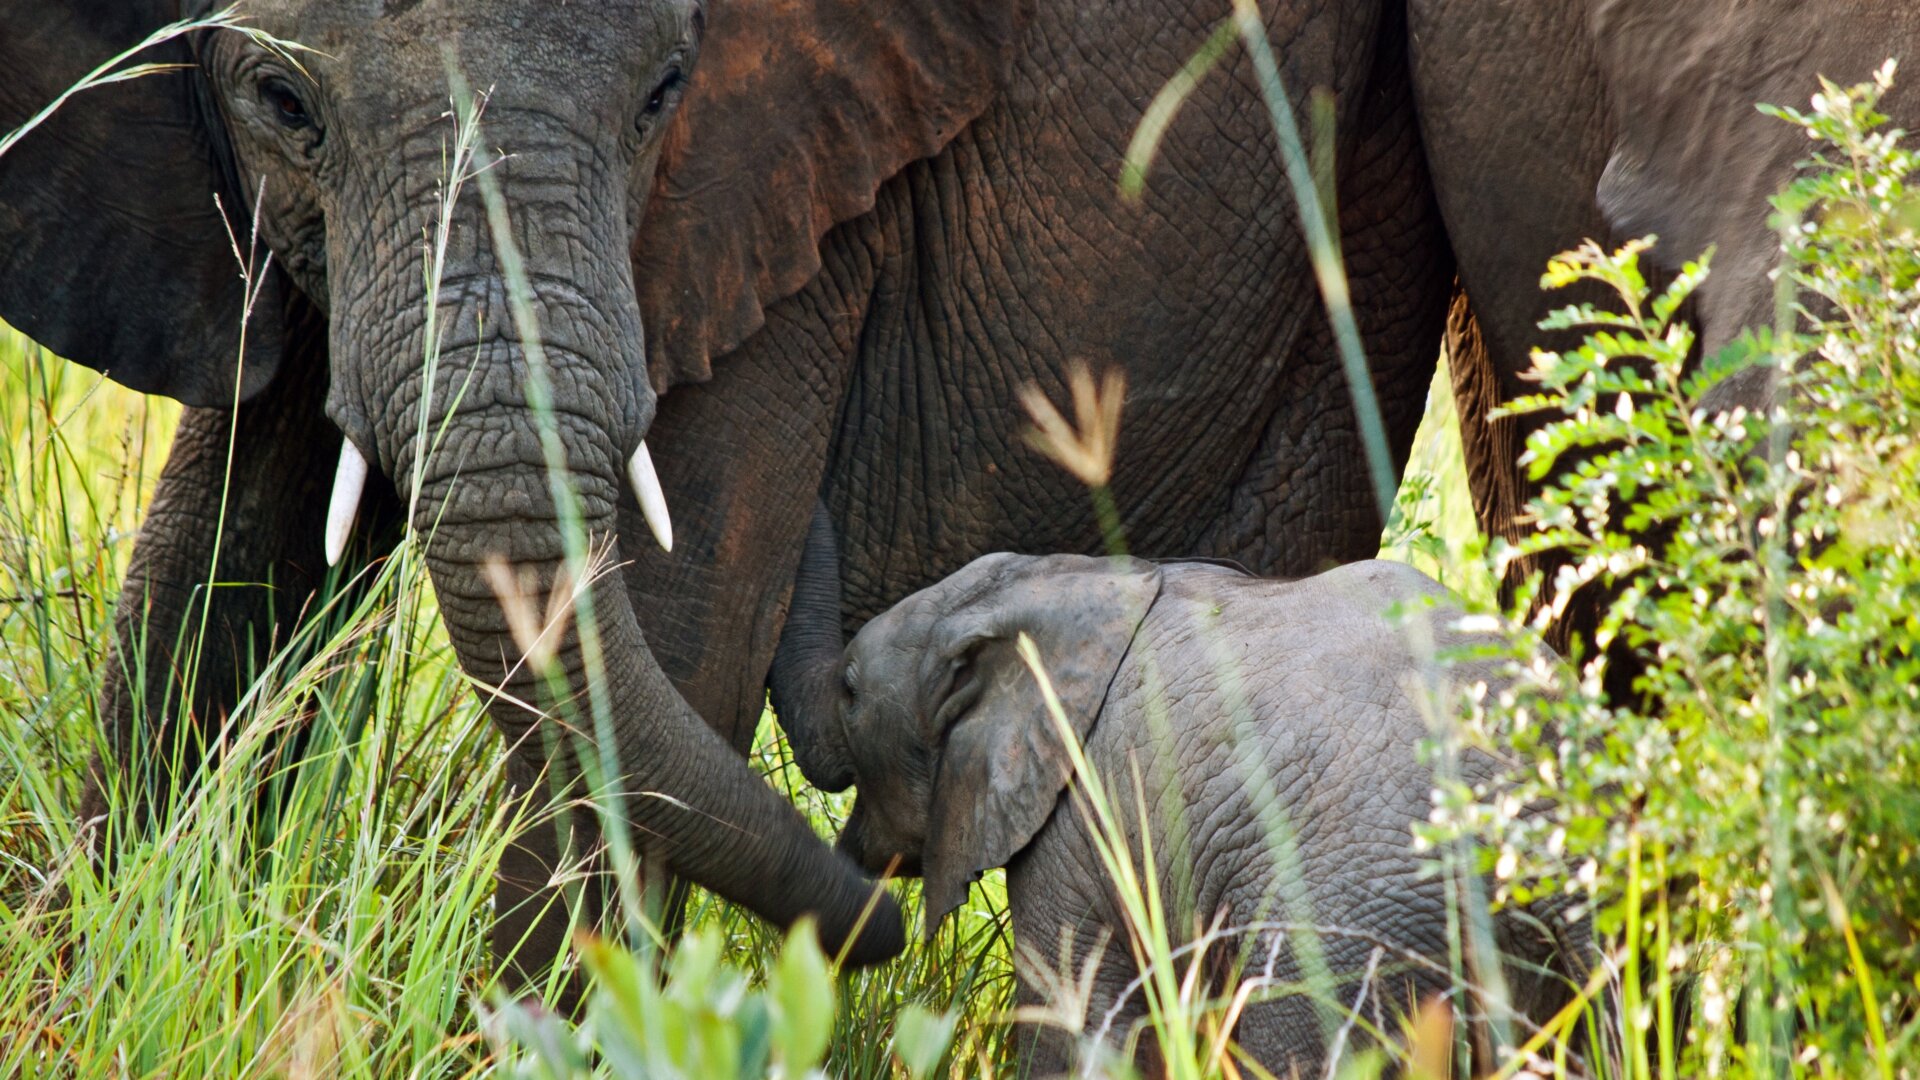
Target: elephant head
point(667, 172)
point(958, 760)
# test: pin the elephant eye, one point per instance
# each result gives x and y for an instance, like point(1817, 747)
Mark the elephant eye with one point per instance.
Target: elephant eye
point(669, 85)
point(285, 104)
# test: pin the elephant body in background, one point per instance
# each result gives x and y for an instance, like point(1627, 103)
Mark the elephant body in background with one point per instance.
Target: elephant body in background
point(1273, 730)
point(807, 250)
point(1547, 124)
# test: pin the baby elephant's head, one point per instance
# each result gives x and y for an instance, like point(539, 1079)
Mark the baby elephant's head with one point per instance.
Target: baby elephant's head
point(957, 758)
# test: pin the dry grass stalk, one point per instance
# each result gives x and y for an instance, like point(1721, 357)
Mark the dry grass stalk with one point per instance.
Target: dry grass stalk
point(538, 636)
point(1084, 448)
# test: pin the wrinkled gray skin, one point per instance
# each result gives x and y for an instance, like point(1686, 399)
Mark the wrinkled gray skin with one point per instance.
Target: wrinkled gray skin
point(1550, 123)
point(1289, 712)
point(873, 252)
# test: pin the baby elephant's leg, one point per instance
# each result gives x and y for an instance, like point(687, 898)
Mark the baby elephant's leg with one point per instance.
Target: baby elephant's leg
point(1070, 953)
point(1079, 991)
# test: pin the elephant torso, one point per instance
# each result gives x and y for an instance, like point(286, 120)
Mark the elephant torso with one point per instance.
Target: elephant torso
point(888, 385)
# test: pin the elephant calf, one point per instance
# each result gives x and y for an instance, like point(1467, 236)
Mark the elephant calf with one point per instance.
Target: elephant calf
point(1275, 728)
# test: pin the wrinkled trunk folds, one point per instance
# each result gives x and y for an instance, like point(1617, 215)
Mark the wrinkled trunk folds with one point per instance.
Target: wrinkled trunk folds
point(690, 797)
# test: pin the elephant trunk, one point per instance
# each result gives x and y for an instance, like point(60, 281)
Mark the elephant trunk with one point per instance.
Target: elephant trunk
point(463, 436)
point(690, 797)
point(805, 679)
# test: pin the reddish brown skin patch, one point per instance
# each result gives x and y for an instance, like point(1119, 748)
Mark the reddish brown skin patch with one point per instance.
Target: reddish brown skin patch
point(788, 150)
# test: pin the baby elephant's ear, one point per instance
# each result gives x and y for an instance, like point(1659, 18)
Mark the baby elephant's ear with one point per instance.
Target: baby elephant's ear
point(1004, 764)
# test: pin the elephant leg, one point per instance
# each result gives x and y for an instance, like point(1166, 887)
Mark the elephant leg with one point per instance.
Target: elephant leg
point(1074, 970)
point(1549, 957)
point(1048, 984)
point(1513, 194)
point(225, 564)
point(1304, 500)
point(534, 909)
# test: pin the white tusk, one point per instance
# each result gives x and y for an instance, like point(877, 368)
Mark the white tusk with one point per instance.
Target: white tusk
point(348, 482)
point(653, 501)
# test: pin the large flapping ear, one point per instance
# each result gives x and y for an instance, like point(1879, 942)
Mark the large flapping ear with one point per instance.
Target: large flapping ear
point(795, 115)
point(112, 250)
point(1003, 764)
point(1693, 160)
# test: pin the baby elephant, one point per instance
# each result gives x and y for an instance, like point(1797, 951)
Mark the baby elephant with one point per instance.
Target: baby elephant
point(1275, 728)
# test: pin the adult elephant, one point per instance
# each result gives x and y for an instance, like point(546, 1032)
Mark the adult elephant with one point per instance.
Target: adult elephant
point(814, 265)
point(1547, 124)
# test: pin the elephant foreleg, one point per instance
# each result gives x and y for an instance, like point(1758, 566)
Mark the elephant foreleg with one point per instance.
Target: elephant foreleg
point(1081, 977)
point(227, 560)
point(1304, 499)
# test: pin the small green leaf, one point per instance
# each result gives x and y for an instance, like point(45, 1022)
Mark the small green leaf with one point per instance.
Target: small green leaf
point(755, 1027)
point(549, 1039)
point(695, 967)
point(801, 985)
point(626, 1005)
point(921, 1038)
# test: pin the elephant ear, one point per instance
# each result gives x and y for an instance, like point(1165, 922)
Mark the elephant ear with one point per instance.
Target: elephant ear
point(112, 250)
point(1003, 763)
point(796, 114)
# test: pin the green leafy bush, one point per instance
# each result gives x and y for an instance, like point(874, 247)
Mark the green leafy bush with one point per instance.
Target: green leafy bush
point(1745, 829)
point(704, 1019)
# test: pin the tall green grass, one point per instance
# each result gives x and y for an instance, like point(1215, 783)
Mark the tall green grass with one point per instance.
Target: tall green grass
point(344, 925)
point(350, 938)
